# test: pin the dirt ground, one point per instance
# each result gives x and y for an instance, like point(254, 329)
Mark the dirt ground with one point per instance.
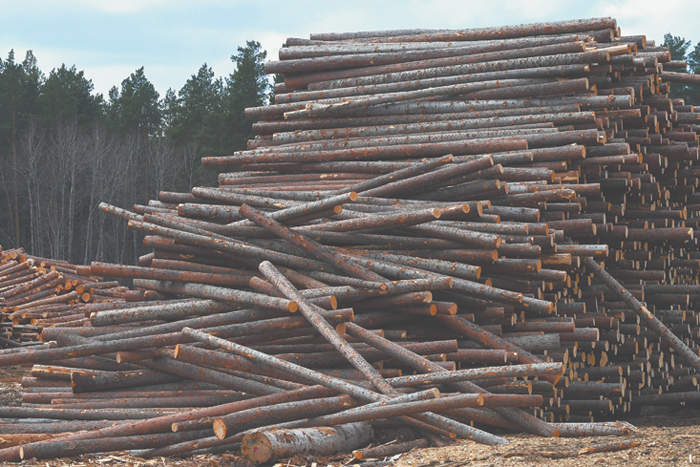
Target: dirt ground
point(665, 439)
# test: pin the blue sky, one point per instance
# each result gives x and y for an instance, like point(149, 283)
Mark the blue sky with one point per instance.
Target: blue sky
point(173, 38)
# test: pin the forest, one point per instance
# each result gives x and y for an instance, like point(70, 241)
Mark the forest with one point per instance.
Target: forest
point(65, 148)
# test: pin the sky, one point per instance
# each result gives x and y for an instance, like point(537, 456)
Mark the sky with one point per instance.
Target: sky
point(171, 39)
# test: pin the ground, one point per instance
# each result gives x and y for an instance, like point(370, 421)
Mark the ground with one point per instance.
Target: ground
point(665, 440)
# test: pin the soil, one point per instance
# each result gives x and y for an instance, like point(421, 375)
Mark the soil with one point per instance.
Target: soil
point(665, 439)
point(10, 387)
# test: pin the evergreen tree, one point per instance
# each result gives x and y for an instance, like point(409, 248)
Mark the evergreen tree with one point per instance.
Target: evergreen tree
point(170, 106)
point(19, 91)
point(67, 96)
point(694, 59)
point(136, 107)
point(677, 45)
point(248, 86)
point(199, 118)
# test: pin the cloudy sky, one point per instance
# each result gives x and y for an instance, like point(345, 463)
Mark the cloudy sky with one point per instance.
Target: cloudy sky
point(173, 38)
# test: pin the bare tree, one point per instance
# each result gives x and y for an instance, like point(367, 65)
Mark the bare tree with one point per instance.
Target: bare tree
point(33, 170)
point(164, 165)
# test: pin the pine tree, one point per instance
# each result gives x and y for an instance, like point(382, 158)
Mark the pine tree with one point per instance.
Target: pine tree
point(136, 106)
point(248, 86)
point(67, 96)
point(19, 90)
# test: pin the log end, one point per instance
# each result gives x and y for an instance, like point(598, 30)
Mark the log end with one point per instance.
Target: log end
point(257, 448)
point(219, 428)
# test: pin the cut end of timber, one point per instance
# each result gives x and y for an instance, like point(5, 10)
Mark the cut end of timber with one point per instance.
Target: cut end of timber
point(433, 310)
point(257, 448)
point(334, 302)
point(340, 328)
point(357, 454)
point(452, 308)
point(480, 208)
point(436, 213)
point(353, 196)
point(436, 392)
point(293, 306)
point(219, 428)
point(337, 209)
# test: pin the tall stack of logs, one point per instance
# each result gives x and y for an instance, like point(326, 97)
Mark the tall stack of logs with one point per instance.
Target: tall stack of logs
point(438, 202)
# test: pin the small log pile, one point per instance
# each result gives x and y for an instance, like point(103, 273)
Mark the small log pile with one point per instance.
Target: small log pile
point(38, 292)
point(422, 213)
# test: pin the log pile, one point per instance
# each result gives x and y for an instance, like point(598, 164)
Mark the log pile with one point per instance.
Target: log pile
point(437, 202)
point(39, 292)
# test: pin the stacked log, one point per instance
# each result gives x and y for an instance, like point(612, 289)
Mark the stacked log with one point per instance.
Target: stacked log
point(38, 292)
point(437, 210)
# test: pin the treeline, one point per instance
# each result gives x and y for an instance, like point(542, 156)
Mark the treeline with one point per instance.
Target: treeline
point(64, 148)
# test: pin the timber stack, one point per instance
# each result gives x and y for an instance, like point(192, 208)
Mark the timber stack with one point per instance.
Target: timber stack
point(509, 213)
point(38, 292)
